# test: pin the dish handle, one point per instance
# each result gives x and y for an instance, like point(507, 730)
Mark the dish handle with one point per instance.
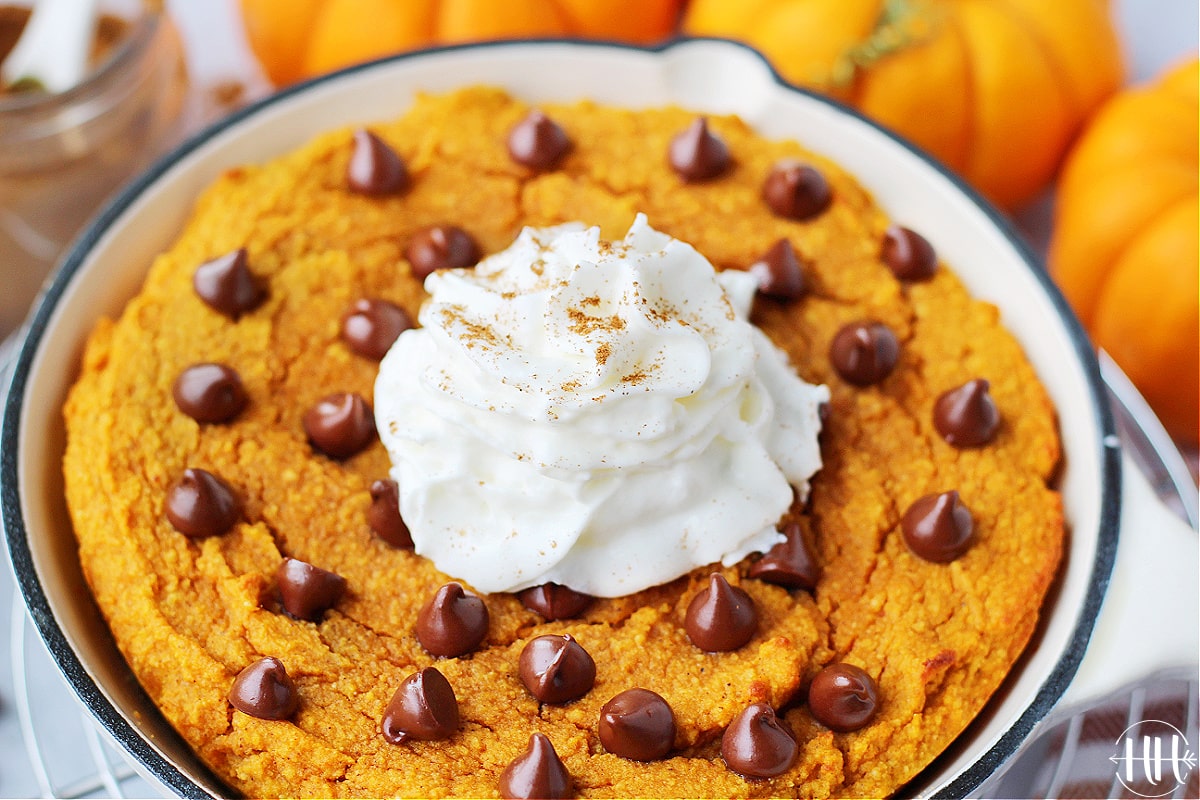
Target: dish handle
point(1150, 617)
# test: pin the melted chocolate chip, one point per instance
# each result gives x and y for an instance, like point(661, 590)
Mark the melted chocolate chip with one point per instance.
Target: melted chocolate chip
point(209, 393)
point(538, 142)
point(697, 154)
point(757, 744)
point(201, 504)
point(554, 601)
point(720, 617)
point(452, 623)
point(938, 527)
point(842, 697)
point(226, 284)
point(536, 773)
point(864, 353)
point(967, 416)
point(796, 191)
point(371, 326)
point(908, 254)
point(556, 669)
point(340, 425)
point(779, 272)
point(423, 708)
point(306, 591)
point(637, 724)
point(264, 690)
point(383, 515)
point(789, 563)
point(375, 168)
point(440, 247)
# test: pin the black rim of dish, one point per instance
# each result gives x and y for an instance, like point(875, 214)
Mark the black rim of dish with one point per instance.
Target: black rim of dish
point(126, 733)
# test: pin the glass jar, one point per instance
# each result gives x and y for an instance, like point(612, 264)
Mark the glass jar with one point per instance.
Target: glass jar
point(62, 155)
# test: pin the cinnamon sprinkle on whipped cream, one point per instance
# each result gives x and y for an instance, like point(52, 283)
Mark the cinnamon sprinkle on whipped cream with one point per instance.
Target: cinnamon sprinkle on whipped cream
point(601, 415)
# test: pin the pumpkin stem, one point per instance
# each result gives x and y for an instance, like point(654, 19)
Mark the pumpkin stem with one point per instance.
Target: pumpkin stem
point(901, 24)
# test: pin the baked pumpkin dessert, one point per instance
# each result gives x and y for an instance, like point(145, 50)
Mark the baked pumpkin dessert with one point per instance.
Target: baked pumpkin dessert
point(560, 451)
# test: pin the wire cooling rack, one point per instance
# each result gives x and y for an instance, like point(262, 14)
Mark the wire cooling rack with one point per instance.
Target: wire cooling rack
point(51, 746)
point(69, 755)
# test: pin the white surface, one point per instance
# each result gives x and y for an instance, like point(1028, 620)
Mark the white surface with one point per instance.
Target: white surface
point(1156, 34)
point(1150, 619)
point(214, 40)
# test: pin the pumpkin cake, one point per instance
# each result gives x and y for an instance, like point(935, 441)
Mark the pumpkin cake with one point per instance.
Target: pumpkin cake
point(240, 529)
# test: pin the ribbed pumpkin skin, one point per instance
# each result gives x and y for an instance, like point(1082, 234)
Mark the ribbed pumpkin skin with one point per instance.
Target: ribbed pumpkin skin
point(995, 89)
point(297, 39)
point(1126, 240)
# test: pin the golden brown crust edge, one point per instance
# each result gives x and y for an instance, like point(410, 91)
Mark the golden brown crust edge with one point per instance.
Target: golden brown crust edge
point(188, 615)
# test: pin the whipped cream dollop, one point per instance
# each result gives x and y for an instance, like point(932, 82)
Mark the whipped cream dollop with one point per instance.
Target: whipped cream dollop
point(597, 414)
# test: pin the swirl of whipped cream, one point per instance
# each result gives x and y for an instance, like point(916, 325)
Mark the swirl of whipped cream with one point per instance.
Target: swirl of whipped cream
point(597, 414)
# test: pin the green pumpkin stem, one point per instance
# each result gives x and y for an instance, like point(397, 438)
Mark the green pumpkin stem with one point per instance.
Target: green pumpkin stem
point(901, 24)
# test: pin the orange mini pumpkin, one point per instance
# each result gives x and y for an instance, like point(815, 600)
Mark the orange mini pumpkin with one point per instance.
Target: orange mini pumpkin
point(1125, 247)
point(296, 39)
point(995, 89)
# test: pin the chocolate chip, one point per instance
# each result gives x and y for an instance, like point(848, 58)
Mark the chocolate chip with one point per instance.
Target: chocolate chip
point(697, 154)
point(201, 504)
point(967, 416)
point(226, 284)
point(554, 601)
point(864, 353)
point(440, 247)
point(796, 191)
point(424, 708)
point(375, 168)
point(637, 724)
point(842, 697)
point(908, 254)
point(789, 563)
point(538, 142)
point(536, 773)
point(556, 669)
point(371, 327)
point(209, 393)
point(340, 425)
point(264, 690)
point(307, 592)
point(383, 515)
point(938, 527)
point(452, 623)
point(757, 744)
point(779, 272)
point(720, 617)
